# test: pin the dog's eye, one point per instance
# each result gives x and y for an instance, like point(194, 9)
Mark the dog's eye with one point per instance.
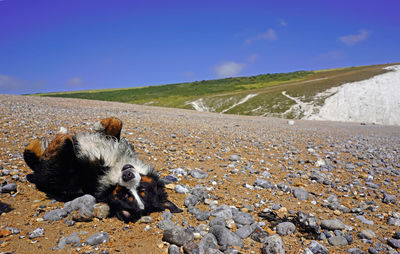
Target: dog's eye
point(127, 166)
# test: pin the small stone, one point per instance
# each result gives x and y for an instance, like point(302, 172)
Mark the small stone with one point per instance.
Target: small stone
point(316, 247)
point(166, 224)
point(222, 211)
point(364, 220)
point(259, 235)
point(202, 216)
point(36, 233)
point(366, 234)
point(208, 242)
point(355, 251)
point(55, 215)
point(337, 241)
point(173, 249)
point(81, 207)
point(182, 189)
point(388, 199)
point(285, 228)
point(98, 238)
point(332, 224)
point(234, 158)
point(178, 236)
point(245, 231)
point(101, 210)
point(191, 200)
point(273, 245)
point(225, 236)
point(191, 247)
point(198, 174)
point(300, 194)
point(11, 187)
point(395, 243)
point(290, 122)
point(243, 218)
point(146, 219)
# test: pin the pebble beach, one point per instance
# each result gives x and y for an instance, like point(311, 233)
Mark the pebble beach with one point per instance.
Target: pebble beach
point(245, 184)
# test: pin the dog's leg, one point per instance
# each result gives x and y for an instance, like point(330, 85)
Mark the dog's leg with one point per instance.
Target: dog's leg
point(60, 144)
point(109, 126)
point(34, 151)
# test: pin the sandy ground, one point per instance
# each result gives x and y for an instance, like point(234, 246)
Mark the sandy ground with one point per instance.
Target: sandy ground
point(172, 138)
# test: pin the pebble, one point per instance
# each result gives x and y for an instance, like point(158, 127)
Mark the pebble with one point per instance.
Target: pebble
point(337, 240)
point(273, 245)
point(11, 187)
point(36, 233)
point(364, 220)
point(388, 199)
point(101, 210)
point(243, 218)
point(173, 249)
point(246, 231)
point(366, 234)
point(177, 235)
point(395, 243)
point(222, 211)
point(55, 215)
point(198, 174)
point(146, 219)
point(332, 224)
point(259, 235)
point(98, 238)
point(191, 200)
point(202, 216)
point(209, 241)
point(316, 247)
point(285, 228)
point(73, 239)
point(234, 158)
point(182, 189)
point(226, 237)
point(300, 194)
point(83, 206)
point(166, 224)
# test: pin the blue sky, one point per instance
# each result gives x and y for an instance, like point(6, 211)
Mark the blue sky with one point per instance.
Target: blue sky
point(48, 45)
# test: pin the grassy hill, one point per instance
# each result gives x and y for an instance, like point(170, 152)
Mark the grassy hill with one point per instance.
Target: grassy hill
point(267, 94)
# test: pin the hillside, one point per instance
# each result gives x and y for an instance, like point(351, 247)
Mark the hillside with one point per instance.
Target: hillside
point(263, 95)
point(333, 185)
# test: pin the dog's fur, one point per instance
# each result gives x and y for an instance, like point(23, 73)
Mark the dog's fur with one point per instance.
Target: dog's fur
point(101, 164)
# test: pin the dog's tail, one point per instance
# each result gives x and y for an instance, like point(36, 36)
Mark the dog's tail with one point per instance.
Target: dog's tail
point(34, 151)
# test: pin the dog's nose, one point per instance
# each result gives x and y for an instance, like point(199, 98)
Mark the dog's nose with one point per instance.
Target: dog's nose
point(127, 175)
point(127, 166)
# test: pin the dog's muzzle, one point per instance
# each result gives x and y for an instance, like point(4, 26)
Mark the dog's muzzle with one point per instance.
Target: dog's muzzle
point(127, 173)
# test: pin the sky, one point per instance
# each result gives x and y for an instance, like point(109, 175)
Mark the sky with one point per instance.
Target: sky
point(49, 46)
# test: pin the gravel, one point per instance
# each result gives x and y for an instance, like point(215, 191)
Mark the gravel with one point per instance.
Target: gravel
point(351, 172)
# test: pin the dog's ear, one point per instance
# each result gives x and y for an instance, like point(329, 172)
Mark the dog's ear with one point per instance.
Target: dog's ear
point(171, 207)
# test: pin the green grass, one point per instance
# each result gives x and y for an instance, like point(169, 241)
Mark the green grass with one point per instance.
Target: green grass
point(220, 94)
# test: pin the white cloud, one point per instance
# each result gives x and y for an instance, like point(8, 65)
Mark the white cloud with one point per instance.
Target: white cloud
point(74, 81)
point(269, 35)
point(282, 22)
point(355, 38)
point(228, 69)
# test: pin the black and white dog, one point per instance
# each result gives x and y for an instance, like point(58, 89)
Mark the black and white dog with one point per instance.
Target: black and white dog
point(101, 164)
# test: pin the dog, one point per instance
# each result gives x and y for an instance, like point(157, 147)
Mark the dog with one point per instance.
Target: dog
point(101, 164)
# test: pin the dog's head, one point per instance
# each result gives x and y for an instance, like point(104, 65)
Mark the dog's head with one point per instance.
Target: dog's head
point(152, 193)
point(129, 177)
